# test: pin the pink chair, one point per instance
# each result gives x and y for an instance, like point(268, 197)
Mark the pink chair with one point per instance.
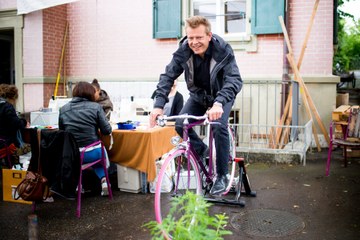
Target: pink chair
point(350, 139)
point(101, 161)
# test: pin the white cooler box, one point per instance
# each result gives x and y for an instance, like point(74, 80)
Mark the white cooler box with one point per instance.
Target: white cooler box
point(184, 179)
point(129, 180)
point(44, 118)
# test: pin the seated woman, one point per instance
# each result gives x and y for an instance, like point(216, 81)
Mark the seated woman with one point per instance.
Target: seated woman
point(10, 123)
point(102, 98)
point(84, 118)
point(175, 103)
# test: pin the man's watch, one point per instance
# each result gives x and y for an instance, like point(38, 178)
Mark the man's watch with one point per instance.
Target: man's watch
point(218, 104)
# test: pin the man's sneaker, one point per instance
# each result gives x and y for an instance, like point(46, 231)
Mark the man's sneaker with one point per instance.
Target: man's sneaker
point(219, 186)
point(104, 188)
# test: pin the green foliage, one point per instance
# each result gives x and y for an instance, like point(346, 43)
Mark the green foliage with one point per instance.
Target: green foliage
point(347, 54)
point(195, 222)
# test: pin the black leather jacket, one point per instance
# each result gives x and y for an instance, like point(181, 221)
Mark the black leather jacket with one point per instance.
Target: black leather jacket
point(83, 119)
point(10, 123)
point(225, 77)
point(59, 158)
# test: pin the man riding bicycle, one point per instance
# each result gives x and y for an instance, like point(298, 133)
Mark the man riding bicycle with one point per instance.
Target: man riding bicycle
point(213, 80)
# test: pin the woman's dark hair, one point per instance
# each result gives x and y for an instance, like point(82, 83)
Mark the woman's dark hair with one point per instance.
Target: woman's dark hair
point(96, 84)
point(84, 90)
point(9, 91)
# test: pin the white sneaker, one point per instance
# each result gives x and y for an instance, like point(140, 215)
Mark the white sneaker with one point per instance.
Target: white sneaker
point(104, 189)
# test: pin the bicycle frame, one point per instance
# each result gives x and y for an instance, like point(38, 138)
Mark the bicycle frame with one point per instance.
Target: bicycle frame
point(210, 172)
point(189, 170)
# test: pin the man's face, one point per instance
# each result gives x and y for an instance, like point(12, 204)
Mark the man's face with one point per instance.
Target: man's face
point(198, 39)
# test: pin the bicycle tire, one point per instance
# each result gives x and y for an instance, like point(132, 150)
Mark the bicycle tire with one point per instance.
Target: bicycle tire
point(232, 163)
point(182, 183)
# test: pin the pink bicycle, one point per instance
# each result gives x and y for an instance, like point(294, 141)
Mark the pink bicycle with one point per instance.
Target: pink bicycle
point(188, 172)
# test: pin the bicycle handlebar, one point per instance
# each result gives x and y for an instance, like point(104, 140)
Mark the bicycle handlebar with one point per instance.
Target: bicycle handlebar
point(161, 120)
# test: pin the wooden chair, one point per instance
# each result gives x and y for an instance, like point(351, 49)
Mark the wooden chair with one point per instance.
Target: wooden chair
point(350, 136)
point(101, 161)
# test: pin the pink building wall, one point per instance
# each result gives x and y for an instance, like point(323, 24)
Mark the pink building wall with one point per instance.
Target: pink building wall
point(319, 52)
point(7, 4)
point(33, 59)
point(112, 41)
point(109, 39)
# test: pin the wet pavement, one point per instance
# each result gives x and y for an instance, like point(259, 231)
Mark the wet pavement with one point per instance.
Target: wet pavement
point(293, 202)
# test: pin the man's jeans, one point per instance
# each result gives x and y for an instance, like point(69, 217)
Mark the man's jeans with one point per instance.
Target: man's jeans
point(220, 132)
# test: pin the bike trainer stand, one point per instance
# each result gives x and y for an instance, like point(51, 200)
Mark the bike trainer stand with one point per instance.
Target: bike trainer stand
point(243, 183)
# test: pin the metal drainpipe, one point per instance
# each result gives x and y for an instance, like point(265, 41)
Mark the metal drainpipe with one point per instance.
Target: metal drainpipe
point(285, 75)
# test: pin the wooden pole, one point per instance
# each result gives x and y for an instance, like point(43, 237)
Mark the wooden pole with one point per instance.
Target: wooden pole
point(288, 100)
point(290, 55)
point(285, 132)
point(306, 103)
point(309, 99)
point(286, 35)
point(283, 118)
point(61, 60)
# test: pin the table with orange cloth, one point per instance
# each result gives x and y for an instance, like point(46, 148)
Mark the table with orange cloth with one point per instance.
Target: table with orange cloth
point(138, 149)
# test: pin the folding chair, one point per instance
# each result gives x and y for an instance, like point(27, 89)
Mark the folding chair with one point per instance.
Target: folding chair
point(350, 136)
point(85, 166)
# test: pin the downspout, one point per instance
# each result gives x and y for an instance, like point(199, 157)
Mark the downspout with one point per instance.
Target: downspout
point(286, 66)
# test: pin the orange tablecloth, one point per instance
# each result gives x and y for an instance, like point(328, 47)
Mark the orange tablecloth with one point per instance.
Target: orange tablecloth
point(139, 149)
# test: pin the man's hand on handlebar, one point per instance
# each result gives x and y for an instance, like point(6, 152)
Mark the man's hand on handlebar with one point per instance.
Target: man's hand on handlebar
point(215, 112)
point(154, 114)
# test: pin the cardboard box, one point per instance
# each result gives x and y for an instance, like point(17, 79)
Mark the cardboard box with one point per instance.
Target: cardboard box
point(11, 178)
point(342, 99)
point(44, 118)
point(129, 180)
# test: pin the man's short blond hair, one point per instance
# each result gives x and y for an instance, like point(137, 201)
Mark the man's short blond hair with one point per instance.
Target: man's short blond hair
point(196, 21)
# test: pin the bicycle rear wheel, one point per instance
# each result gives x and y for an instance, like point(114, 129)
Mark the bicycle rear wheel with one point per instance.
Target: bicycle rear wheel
point(186, 177)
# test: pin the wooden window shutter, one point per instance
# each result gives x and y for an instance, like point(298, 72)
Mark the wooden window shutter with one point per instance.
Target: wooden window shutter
point(166, 18)
point(265, 16)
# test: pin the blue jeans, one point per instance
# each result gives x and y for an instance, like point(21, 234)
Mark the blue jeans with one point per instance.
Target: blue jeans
point(220, 132)
point(92, 156)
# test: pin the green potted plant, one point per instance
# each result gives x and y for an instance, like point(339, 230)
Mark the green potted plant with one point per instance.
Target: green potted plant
point(195, 222)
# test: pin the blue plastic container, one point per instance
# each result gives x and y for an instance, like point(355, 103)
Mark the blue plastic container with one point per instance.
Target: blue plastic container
point(128, 126)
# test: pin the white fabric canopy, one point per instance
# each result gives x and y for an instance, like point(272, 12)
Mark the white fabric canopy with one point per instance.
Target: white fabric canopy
point(26, 6)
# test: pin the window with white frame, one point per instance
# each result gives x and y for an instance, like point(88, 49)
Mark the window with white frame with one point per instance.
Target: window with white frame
point(228, 18)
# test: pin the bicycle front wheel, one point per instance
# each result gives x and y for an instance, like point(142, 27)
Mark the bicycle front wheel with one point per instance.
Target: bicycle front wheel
point(185, 177)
